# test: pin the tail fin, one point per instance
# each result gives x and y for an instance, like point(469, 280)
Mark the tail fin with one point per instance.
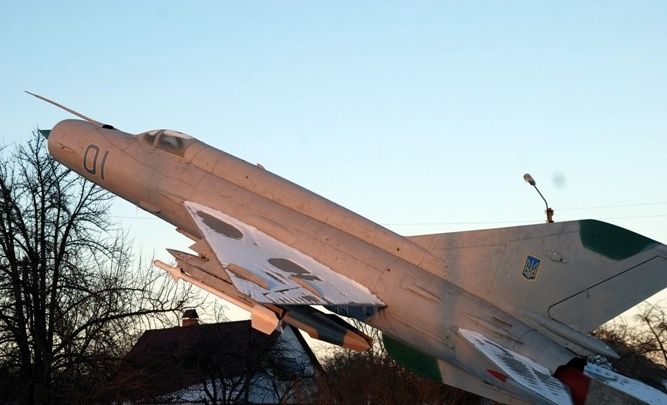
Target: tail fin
point(581, 273)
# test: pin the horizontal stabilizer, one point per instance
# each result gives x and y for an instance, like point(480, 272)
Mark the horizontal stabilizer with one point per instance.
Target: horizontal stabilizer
point(516, 373)
point(633, 388)
point(444, 372)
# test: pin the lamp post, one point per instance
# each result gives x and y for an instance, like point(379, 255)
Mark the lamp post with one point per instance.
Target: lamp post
point(550, 212)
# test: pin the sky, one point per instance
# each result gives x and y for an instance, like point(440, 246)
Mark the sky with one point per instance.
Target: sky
point(421, 116)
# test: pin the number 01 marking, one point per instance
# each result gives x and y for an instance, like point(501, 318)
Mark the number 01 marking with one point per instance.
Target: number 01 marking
point(90, 157)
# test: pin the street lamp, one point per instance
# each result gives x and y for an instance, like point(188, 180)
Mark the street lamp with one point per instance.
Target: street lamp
point(550, 212)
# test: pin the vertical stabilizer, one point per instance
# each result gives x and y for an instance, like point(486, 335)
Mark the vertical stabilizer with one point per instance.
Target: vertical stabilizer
point(581, 273)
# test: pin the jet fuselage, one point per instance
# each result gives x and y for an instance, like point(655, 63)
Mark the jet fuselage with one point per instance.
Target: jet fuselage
point(423, 309)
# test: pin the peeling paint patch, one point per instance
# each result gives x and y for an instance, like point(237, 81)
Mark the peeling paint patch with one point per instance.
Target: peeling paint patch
point(289, 266)
point(220, 226)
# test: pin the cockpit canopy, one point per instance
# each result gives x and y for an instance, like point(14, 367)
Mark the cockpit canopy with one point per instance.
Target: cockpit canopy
point(167, 140)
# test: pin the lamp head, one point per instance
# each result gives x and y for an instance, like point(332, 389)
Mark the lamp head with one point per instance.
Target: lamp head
point(529, 179)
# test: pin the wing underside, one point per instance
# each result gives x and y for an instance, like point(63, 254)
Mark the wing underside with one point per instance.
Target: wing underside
point(271, 272)
point(516, 373)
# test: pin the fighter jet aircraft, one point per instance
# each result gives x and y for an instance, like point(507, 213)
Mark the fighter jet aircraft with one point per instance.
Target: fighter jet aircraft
point(503, 313)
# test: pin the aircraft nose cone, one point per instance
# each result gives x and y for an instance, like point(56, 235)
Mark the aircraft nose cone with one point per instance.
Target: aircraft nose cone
point(71, 132)
point(68, 139)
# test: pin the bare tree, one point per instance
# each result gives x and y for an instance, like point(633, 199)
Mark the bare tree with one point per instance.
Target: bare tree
point(70, 301)
point(373, 377)
point(288, 374)
point(654, 321)
point(641, 344)
point(266, 369)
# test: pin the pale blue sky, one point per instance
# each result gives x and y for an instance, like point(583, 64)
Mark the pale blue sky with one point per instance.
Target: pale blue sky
point(422, 116)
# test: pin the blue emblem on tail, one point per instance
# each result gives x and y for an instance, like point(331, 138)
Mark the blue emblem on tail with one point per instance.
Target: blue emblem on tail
point(531, 267)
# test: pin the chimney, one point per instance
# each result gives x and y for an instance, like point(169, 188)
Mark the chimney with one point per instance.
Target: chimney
point(190, 318)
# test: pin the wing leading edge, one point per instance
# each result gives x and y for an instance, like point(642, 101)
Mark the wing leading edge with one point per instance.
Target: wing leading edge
point(271, 272)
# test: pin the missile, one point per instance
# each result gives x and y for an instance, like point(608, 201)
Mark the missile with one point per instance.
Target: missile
point(327, 327)
point(265, 318)
point(178, 274)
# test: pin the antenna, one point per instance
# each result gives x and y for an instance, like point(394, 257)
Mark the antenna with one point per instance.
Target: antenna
point(550, 212)
point(69, 110)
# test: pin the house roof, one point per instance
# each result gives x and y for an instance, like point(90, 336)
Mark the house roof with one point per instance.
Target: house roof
point(168, 360)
